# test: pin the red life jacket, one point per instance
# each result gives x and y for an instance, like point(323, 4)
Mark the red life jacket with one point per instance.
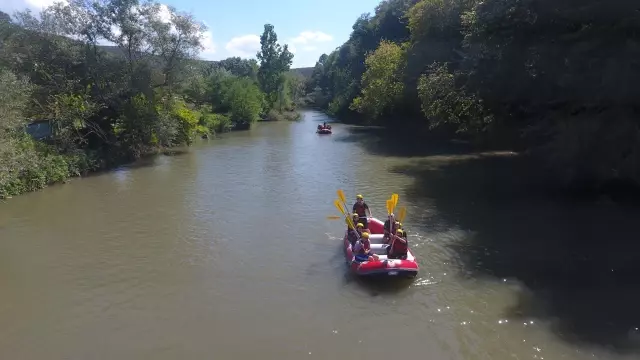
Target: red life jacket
point(399, 247)
point(359, 208)
point(366, 245)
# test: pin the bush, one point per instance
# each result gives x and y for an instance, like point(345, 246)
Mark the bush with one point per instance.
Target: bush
point(214, 123)
point(275, 115)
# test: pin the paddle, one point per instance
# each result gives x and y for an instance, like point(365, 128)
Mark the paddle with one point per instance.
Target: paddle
point(342, 198)
point(334, 217)
point(347, 216)
point(402, 213)
point(341, 209)
point(394, 200)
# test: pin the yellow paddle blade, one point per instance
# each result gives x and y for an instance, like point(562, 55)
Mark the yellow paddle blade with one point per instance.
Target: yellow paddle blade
point(402, 213)
point(350, 222)
point(334, 217)
point(394, 201)
point(389, 205)
point(339, 207)
point(341, 196)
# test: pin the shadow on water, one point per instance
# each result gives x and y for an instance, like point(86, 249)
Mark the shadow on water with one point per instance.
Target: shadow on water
point(380, 141)
point(144, 162)
point(579, 262)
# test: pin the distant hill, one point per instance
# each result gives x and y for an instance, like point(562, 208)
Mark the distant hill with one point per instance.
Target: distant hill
point(304, 72)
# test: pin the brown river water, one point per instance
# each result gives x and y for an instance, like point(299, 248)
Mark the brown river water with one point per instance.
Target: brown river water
point(225, 252)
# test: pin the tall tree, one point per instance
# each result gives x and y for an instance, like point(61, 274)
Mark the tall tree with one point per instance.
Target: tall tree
point(274, 61)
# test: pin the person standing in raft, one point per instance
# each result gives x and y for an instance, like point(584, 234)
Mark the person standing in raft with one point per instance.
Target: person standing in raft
point(362, 209)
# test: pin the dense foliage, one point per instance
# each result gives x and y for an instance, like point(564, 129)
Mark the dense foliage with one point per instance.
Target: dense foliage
point(557, 78)
point(108, 105)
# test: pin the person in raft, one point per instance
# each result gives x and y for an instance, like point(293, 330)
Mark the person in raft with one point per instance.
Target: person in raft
point(399, 246)
point(363, 248)
point(354, 235)
point(404, 232)
point(354, 219)
point(388, 229)
point(362, 209)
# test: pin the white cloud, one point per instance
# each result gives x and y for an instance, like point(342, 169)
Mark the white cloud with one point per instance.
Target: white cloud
point(308, 37)
point(209, 45)
point(244, 46)
point(310, 45)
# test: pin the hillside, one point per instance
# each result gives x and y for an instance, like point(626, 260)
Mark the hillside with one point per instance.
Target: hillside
point(303, 72)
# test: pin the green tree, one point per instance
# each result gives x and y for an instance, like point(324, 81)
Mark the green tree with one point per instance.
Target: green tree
point(245, 101)
point(382, 81)
point(275, 60)
point(241, 67)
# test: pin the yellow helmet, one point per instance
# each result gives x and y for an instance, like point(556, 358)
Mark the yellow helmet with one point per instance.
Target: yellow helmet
point(365, 235)
point(360, 225)
point(399, 232)
point(355, 215)
point(400, 224)
point(359, 196)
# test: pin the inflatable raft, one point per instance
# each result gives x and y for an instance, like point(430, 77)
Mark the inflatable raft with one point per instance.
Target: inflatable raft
point(382, 266)
point(324, 131)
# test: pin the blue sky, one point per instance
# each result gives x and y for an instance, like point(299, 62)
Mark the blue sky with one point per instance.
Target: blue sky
point(309, 27)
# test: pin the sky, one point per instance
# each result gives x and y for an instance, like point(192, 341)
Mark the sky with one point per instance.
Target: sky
point(310, 28)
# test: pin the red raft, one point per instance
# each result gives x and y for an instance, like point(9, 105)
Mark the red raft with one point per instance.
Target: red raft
point(324, 129)
point(382, 266)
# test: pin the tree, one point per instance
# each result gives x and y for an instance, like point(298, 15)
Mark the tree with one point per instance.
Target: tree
point(382, 82)
point(245, 100)
point(241, 67)
point(274, 61)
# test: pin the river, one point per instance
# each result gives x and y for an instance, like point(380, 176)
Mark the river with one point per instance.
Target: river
point(224, 252)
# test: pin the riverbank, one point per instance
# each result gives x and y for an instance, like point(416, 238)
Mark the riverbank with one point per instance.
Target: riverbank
point(47, 167)
point(287, 115)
